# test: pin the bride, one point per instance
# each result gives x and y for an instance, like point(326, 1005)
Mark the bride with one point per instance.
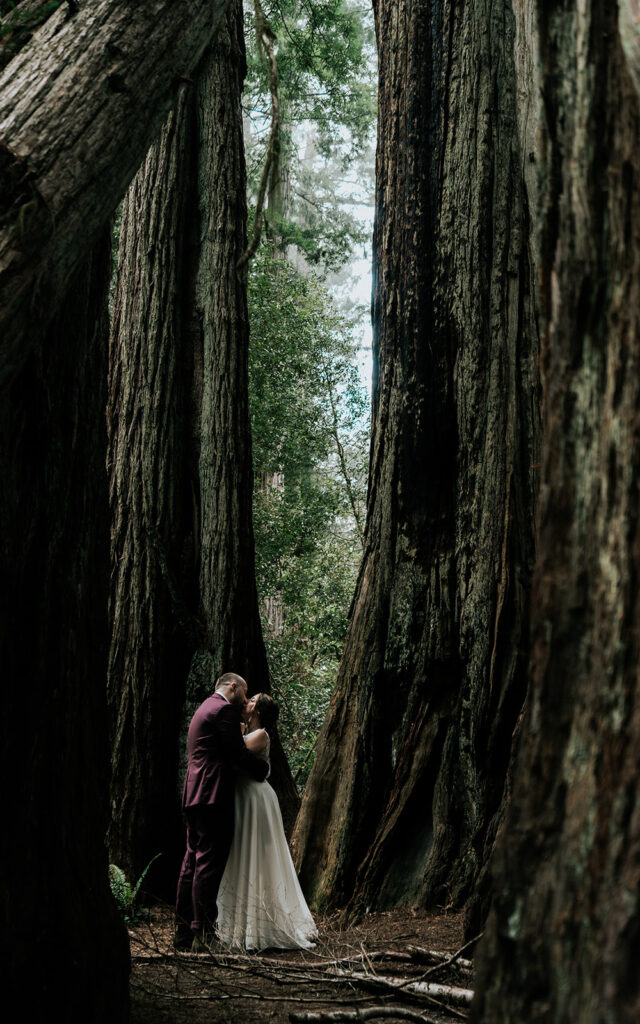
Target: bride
point(260, 902)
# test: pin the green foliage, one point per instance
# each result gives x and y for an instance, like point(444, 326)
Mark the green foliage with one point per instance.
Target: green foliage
point(308, 405)
point(16, 16)
point(124, 893)
point(18, 22)
point(326, 56)
point(323, 47)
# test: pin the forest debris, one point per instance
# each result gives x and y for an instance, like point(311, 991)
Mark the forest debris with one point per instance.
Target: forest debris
point(362, 1013)
point(447, 994)
point(430, 956)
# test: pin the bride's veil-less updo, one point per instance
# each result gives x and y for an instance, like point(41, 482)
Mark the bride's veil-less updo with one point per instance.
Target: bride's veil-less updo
point(268, 711)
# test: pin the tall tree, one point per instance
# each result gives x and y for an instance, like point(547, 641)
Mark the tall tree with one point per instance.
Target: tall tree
point(183, 582)
point(57, 911)
point(406, 790)
point(152, 460)
point(79, 108)
point(562, 942)
point(228, 594)
point(320, 51)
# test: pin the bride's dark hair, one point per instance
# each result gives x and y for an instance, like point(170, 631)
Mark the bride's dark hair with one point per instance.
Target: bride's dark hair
point(267, 710)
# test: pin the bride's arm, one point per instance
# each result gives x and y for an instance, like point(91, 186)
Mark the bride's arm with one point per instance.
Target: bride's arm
point(257, 741)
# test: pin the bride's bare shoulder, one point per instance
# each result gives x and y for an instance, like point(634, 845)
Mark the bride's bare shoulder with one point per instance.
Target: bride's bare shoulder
point(257, 741)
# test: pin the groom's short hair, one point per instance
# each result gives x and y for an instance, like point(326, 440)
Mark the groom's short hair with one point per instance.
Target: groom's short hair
point(227, 679)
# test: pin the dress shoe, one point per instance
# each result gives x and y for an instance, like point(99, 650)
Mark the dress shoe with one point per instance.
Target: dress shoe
point(183, 940)
point(206, 942)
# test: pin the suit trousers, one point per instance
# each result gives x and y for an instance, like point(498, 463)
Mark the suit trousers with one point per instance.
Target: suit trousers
point(209, 836)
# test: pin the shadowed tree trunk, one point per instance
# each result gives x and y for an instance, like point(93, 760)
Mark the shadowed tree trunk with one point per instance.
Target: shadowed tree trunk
point(404, 796)
point(563, 940)
point(154, 506)
point(79, 107)
point(228, 594)
point(183, 590)
point(65, 950)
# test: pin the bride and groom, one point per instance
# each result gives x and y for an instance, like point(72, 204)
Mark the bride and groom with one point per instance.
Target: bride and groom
point(237, 880)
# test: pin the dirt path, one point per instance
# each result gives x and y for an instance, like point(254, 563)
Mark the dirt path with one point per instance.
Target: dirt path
point(176, 988)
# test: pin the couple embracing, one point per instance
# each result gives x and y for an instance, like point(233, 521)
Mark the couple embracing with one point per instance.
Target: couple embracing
point(237, 883)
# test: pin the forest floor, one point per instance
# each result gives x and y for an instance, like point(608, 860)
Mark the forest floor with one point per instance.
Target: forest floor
point(279, 987)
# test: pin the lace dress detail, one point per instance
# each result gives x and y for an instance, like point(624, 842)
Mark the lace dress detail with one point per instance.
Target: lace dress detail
point(260, 902)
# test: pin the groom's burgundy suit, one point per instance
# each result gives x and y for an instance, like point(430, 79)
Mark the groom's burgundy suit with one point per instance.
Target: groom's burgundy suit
point(216, 752)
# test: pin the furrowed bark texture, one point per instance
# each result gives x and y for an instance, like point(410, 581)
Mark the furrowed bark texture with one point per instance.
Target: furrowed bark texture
point(57, 912)
point(183, 580)
point(154, 509)
point(228, 593)
point(405, 793)
point(563, 940)
point(79, 107)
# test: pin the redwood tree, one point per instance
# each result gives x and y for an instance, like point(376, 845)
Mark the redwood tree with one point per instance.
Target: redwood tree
point(153, 492)
point(183, 600)
point(65, 950)
point(562, 942)
point(406, 790)
point(79, 107)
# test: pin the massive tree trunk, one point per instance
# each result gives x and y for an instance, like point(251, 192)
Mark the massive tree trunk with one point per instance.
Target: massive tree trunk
point(65, 950)
point(183, 582)
point(79, 107)
point(153, 484)
point(563, 941)
point(405, 793)
point(228, 594)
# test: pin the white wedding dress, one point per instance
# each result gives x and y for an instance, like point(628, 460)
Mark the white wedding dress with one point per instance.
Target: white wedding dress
point(260, 902)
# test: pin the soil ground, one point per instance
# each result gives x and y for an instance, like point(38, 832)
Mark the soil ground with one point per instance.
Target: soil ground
point(176, 988)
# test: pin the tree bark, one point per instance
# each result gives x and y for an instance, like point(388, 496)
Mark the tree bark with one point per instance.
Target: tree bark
point(79, 107)
point(154, 506)
point(405, 794)
point(228, 593)
point(184, 604)
point(65, 950)
point(562, 941)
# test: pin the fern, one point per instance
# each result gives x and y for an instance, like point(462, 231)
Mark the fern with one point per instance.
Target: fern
point(124, 893)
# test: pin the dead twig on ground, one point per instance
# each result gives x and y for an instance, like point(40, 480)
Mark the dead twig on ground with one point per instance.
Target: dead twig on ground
point(431, 956)
point(452, 960)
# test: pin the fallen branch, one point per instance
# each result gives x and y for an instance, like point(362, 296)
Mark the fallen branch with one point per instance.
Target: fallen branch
point(445, 996)
point(365, 1013)
point(430, 956)
point(453, 961)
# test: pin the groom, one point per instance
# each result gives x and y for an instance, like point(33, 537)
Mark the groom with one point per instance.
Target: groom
point(216, 752)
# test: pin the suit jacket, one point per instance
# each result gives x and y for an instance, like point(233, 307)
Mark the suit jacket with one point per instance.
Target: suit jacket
point(216, 751)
